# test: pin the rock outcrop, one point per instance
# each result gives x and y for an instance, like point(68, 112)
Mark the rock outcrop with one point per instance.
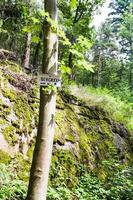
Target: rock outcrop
point(85, 135)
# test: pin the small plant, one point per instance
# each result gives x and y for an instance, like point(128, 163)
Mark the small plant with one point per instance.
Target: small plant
point(60, 193)
point(11, 187)
point(117, 186)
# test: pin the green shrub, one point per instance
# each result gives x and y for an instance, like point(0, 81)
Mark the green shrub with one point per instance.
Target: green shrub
point(11, 187)
point(117, 186)
point(59, 193)
point(120, 186)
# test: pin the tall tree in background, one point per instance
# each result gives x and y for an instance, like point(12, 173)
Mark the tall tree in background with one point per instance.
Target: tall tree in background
point(105, 53)
point(126, 40)
point(113, 49)
point(43, 149)
point(27, 48)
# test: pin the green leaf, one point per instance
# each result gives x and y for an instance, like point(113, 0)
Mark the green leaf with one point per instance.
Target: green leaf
point(73, 4)
point(35, 20)
point(62, 37)
point(27, 29)
point(77, 53)
point(43, 13)
point(89, 67)
point(35, 39)
point(37, 27)
point(65, 70)
point(83, 64)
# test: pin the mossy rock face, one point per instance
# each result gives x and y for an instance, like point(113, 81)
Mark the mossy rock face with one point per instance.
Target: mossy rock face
point(91, 128)
point(64, 169)
point(7, 55)
point(9, 93)
point(10, 134)
point(85, 135)
point(19, 111)
point(4, 157)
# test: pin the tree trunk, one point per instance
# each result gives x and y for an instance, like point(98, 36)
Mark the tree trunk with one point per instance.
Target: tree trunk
point(99, 71)
point(26, 57)
point(36, 53)
point(131, 68)
point(43, 149)
point(70, 65)
point(70, 61)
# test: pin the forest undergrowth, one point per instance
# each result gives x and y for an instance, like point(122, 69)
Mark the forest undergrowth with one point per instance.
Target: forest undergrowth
point(119, 110)
point(116, 185)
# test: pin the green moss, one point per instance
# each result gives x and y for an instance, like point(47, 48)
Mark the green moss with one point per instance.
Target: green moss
point(59, 100)
point(4, 110)
point(35, 105)
point(35, 90)
point(14, 67)
point(128, 158)
point(22, 108)
point(10, 134)
point(58, 137)
point(9, 78)
point(61, 127)
point(70, 137)
point(105, 128)
point(23, 167)
point(64, 169)
point(67, 125)
point(30, 153)
point(3, 122)
point(9, 93)
point(106, 149)
point(87, 154)
point(4, 157)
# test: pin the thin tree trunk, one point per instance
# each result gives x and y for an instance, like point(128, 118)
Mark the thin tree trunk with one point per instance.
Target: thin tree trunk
point(83, 79)
point(36, 54)
point(99, 71)
point(26, 57)
point(131, 68)
point(70, 61)
point(43, 149)
point(70, 64)
point(35, 58)
point(120, 72)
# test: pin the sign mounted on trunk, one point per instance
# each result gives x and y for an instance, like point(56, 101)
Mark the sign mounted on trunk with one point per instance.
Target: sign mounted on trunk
point(54, 80)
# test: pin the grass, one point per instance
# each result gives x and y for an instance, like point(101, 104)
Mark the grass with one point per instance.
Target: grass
point(119, 110)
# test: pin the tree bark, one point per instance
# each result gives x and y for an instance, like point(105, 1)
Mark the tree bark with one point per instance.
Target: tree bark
point(36, 53)
point(99, 70)
point(131, 67)
point(43, 149)
point(26, 57)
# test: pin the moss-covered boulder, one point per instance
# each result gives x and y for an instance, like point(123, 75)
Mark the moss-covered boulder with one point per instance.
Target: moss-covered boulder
point(85, 135)
point(19, 111)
